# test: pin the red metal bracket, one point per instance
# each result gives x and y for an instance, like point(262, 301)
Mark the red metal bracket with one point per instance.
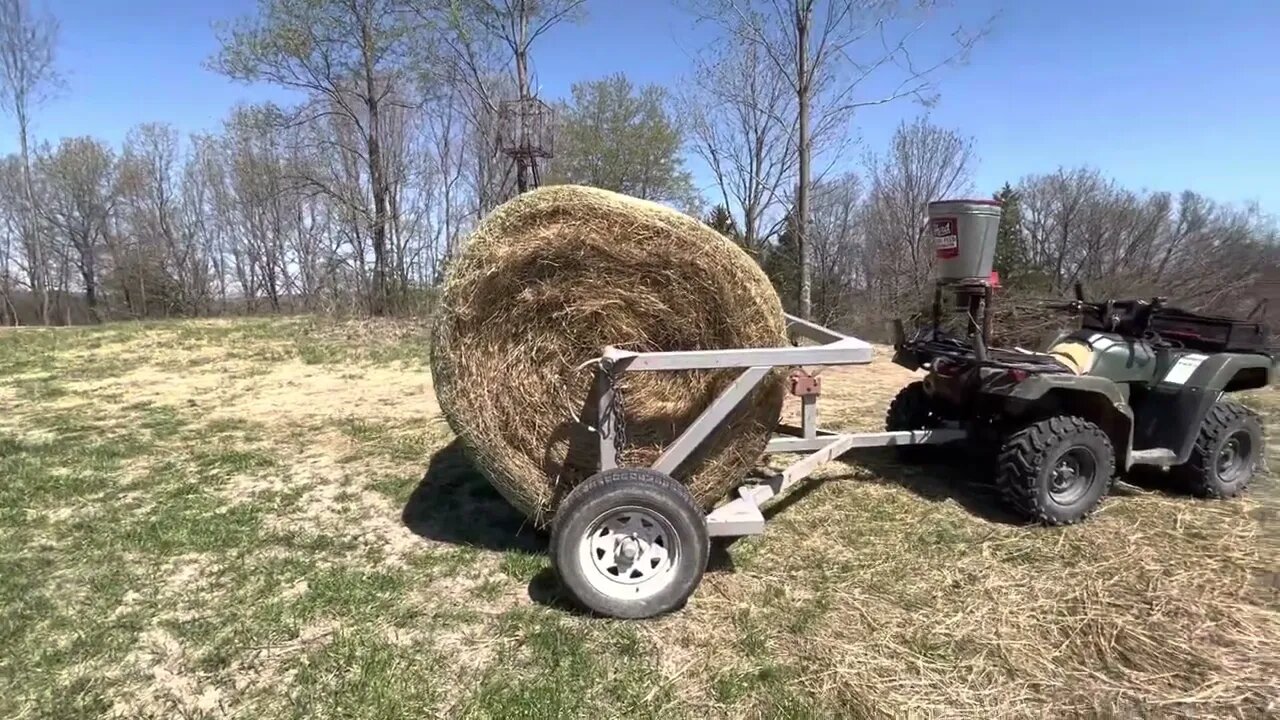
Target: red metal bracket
point(805, 385)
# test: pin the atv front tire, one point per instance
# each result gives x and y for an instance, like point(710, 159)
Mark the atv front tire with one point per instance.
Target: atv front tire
point(1227, 452)
point(1056, 471)
point(914, 409)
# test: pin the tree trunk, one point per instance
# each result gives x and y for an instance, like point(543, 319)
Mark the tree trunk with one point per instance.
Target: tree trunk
point(522, 86)
point(39, 282)
point(87, 274)
point(804, 11)
point(8, 313)
point(377, 177)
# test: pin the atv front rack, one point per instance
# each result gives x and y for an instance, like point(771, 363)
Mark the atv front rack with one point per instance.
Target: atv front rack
point(931, 349)
point(741, 514)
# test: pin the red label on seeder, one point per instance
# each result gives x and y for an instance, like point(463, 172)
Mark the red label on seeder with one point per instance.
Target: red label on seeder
point(946, 240)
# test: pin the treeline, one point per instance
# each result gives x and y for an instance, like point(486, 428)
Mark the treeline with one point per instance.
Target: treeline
point(872, 257)
point(354, 198)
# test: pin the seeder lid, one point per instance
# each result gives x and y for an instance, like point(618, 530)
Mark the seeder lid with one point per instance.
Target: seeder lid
point(995, 203)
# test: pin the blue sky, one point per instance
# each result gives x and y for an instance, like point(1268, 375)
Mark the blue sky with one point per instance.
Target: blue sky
point(1164, 95)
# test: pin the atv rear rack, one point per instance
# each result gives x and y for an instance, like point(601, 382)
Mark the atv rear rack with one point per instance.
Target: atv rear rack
point(741, 514)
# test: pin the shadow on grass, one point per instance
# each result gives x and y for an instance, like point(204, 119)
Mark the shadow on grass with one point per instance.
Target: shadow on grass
point(1150, 479)
point(546, 590)
point(455, 504)
point(957, 477)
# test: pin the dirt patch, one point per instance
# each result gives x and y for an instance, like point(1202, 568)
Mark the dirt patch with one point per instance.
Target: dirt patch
point(295, 391)
point(165, 682)
point(334, 499)
point(290, 392)
point(189, 573)
point(168, 686)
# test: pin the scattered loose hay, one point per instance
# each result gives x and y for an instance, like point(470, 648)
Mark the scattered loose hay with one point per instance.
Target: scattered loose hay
point(550, 278)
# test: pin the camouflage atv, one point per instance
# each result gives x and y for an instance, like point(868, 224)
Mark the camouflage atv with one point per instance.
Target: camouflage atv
point(1139, 384)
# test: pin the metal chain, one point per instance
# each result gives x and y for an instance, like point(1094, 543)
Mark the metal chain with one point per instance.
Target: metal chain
point(615, 419)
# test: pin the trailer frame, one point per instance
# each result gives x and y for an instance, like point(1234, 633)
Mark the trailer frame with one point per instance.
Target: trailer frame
point(631, 542)
point(741, 515)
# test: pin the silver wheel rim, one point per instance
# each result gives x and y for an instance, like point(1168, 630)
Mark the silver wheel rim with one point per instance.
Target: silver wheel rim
point(1073, 475)
point(629, 553)
point(1235, 457)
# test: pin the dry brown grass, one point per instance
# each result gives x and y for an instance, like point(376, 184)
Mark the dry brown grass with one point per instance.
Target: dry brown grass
point(349, 562)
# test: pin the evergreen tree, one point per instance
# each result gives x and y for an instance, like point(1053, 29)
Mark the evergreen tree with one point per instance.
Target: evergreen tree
point(781, 263)
point(1012, 261)
point(721, 220)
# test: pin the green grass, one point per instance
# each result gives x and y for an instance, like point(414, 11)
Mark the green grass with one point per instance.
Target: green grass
point(39, 388)
point(523, 566)
point(396, 487)
point(554, 668)
point(360, 675)
point(217, 461)
point(394, 441)
point(160, 558)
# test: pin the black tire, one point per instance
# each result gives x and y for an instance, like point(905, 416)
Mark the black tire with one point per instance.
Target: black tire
point(1227, 453)
point(1056, 471)
point(649, 502)
point(914, 409)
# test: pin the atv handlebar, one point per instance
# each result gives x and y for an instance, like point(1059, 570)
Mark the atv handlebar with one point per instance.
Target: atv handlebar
point(1127, 317)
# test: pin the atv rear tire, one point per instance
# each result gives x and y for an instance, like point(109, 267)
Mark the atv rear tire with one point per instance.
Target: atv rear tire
point(1056, 471)
point(1227, 453)
point(914, 409)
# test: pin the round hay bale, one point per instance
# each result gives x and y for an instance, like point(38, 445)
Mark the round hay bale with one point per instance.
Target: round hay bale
point(544, 284)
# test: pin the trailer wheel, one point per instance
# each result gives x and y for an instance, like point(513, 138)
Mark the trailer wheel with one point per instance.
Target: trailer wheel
point(629, 543)
point(1227, 452)
point(1056, 471)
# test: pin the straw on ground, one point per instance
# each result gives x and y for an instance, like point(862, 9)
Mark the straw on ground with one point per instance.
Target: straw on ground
point(270, 518)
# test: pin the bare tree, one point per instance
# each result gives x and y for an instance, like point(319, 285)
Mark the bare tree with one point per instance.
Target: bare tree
point(13, 225)
point(350, 57)
point(487, 46)
point(1082, 227)
point(516, 24)
point(257, 186)
point(827, 52)
point(198, 227)
point(1055, 208)
point(448, 141)
point(207, 166)
point(838, 244)
point(79, 198)
point(924, 163)
point(27, 75)
point(168, 270)
point(740, 122)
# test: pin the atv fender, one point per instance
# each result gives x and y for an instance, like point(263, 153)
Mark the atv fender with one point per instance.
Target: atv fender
point(1227, 372)
point(1095, 399)
point(1187, 391)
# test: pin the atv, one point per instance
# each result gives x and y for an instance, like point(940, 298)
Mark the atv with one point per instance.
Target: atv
point(1138, 384)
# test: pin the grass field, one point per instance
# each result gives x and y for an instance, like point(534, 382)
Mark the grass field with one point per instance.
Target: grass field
point(270, 519)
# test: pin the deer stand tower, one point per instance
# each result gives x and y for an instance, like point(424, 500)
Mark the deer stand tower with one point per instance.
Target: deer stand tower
point(526, 135)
